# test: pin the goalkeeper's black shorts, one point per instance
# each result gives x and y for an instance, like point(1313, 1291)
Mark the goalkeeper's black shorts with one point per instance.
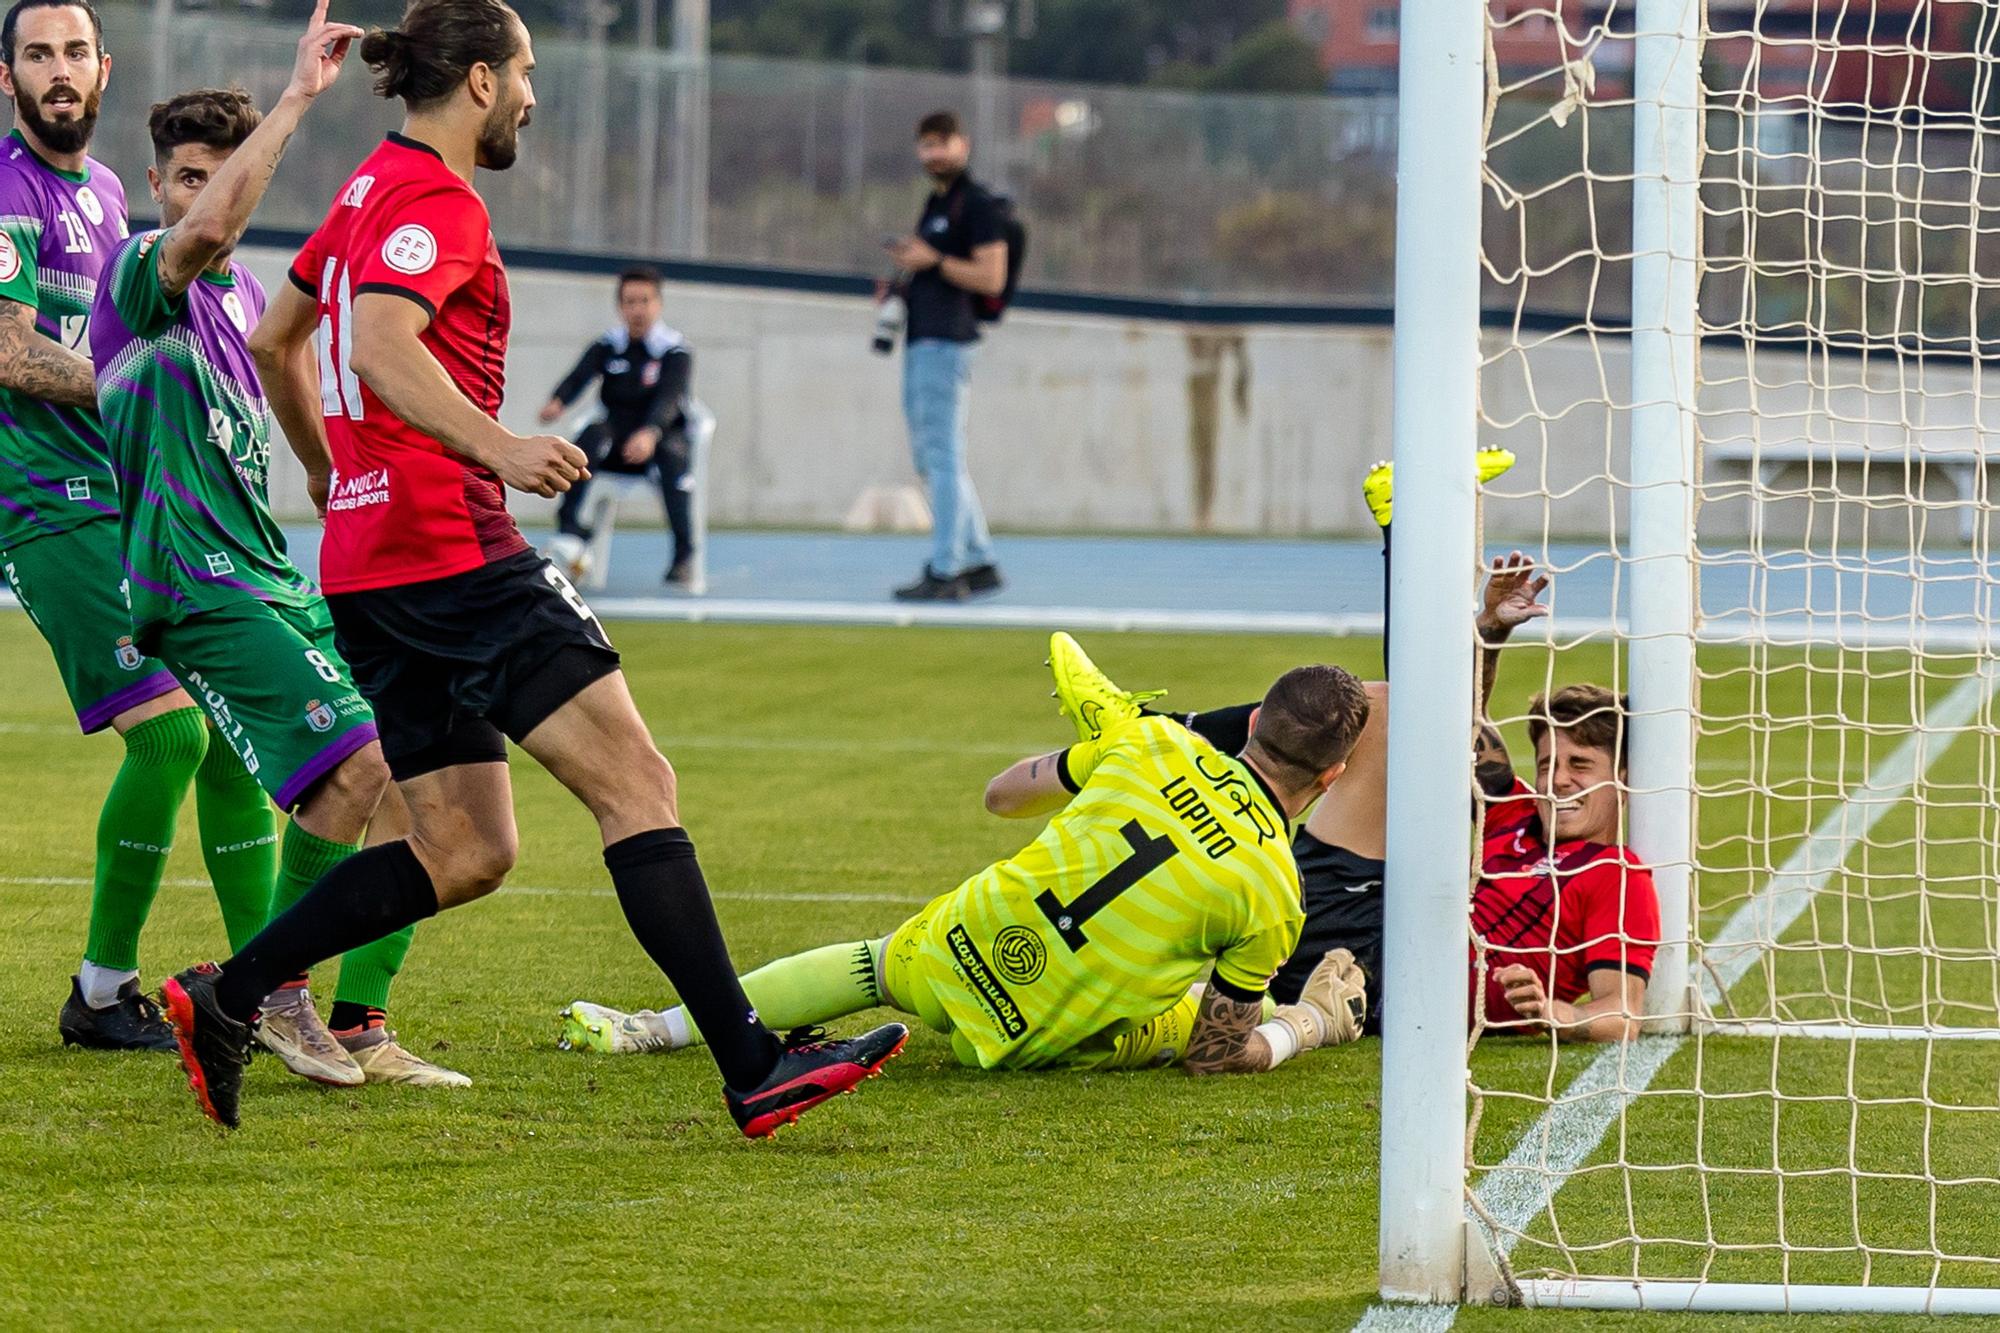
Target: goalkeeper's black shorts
point(1343, 902)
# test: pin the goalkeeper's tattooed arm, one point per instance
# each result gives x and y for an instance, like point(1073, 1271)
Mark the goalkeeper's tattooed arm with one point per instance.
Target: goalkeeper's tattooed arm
point(1032, 787)
point(1225, 1038)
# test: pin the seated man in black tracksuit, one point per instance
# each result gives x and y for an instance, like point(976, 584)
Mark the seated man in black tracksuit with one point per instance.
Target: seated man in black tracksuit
point(646, 370)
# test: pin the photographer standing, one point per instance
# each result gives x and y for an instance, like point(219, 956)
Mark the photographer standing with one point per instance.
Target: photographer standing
point(642, 428)
point(956, 259)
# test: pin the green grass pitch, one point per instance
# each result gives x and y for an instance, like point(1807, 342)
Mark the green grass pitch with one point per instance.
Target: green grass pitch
point(831, 779)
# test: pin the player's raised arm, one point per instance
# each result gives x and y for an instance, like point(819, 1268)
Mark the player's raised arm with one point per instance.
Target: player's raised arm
point(222, 210)
point(38, 367)
point(390, 357)
point(1032, 787)
point(1511, 600)
point(281, 345)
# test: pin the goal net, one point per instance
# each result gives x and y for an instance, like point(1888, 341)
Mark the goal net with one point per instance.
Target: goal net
point(1741, 274)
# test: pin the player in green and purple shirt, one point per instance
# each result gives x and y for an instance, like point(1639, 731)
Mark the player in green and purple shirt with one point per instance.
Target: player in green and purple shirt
point(212, 589)
point(61, 215)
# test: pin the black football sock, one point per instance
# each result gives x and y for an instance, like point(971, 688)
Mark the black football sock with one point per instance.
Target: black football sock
point(347, 1016)
point(666, 903)
point(375, 892)
point(1385, 601)
point(1227, 729)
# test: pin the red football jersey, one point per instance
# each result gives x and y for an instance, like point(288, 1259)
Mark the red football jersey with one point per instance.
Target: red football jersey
point(403, 507)
point(1563, 911)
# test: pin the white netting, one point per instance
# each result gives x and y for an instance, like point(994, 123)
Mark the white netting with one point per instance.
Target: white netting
point(1847, 837)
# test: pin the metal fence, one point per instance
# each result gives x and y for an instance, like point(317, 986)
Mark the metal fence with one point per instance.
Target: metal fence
point(1126, 191)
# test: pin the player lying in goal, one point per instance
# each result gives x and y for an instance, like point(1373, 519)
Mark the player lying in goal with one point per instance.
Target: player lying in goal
point(1165, 859)
point(1565, 916)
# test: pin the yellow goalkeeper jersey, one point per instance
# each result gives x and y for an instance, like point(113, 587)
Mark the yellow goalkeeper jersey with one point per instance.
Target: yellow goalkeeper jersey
point(1171, 859)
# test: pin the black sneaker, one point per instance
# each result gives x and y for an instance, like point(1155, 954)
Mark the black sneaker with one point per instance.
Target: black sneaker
point(931, 588)
point(214, 1047)
point(132, 1022)
point(812, 1069)
point(983, 579)
point(680, 574)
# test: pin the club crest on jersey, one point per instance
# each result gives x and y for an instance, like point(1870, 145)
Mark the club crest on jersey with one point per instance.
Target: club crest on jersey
point(650, 375)
point(410, 249)
point(319, 716)
point(1019, 955)
point(232, 306)
point(357, 190)
point(10, 258)
point(86, 199)
point(128, 654)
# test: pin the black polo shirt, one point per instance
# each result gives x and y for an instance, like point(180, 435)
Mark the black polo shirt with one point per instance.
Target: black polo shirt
point(955, 223)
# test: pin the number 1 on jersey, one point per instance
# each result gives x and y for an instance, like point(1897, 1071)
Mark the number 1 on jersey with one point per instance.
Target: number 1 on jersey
point(339, 386)
point(1148, 855)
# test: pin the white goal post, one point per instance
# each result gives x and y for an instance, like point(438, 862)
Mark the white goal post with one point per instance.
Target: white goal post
point(1725, 275)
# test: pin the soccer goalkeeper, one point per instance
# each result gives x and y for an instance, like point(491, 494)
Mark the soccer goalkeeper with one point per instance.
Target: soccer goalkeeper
point(1164, 860)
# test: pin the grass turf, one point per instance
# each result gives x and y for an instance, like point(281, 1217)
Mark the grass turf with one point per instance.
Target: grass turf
point(831, 778)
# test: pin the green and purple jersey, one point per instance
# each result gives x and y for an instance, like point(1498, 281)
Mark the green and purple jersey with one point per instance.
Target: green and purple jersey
point(57, 231)
point(190, 437)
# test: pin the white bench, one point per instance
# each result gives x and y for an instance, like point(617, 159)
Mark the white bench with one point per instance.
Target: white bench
point(1960, 466)
point(610, 491)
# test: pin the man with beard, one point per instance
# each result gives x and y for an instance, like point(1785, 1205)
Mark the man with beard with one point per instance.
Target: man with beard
point(459, 635)
point(61, 215)
point(956, 258)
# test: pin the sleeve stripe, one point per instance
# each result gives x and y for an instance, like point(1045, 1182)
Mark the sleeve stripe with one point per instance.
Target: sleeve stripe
point(292, 276)
point(1233, 992)
point(1069, 783)
point(1644, 974)
point(392, 289)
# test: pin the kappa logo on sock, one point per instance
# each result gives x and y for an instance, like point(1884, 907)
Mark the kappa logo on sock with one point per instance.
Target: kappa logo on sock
point(128, 654)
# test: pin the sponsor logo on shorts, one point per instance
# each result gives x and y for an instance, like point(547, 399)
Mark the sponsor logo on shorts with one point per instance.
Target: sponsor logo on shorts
point(128, 654)
point(225, 721)
point(1019, 955)
point(10, 259)
point(319, 716)
point(77, 488)
point(219, 563)
point(985, 986)
point(410, 249)
point(86, 199)
point(358, 492)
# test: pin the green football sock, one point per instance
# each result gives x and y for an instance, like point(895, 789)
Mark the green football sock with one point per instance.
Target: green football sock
point(239, 841)
point(365, 973)
point(807, 988)
point(136, 831)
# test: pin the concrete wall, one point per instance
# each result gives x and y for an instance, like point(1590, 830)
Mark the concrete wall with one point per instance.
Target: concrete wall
point(1107, 424)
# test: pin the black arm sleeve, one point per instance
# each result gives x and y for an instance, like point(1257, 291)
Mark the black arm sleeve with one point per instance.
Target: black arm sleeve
point(1235, 993)
point(676, 377)
point(588, 367)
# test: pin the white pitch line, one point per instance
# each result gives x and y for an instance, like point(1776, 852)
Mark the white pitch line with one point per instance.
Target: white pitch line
point(1520, 1189)
point(533, 890)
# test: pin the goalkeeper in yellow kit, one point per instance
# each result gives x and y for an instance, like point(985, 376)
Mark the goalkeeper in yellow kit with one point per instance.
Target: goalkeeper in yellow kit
point(1164, 861)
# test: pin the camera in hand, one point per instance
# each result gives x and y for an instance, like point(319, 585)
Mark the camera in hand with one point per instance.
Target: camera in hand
point(889, 319)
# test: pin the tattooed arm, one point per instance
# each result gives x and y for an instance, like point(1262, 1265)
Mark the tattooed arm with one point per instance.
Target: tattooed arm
point(1035, 786)
point(37, 367)
point(1510, 602)
point(1225, 1038)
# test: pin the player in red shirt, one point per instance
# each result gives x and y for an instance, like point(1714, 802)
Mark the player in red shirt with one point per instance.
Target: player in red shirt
point(459, 635)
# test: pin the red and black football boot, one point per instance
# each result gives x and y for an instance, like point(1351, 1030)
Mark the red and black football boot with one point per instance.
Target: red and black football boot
point(812, 1069)
point(215, 1048)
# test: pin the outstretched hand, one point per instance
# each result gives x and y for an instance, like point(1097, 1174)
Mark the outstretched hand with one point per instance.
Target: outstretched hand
point(322, 51)
point(1513, 590)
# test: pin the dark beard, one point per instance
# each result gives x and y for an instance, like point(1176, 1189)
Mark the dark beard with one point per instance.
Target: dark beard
point(499, 141)
point(60, 136)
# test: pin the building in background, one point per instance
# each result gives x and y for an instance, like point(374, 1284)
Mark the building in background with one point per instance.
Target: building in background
point(1890, 53)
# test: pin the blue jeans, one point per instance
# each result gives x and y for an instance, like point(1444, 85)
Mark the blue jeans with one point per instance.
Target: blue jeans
point(937, 377)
